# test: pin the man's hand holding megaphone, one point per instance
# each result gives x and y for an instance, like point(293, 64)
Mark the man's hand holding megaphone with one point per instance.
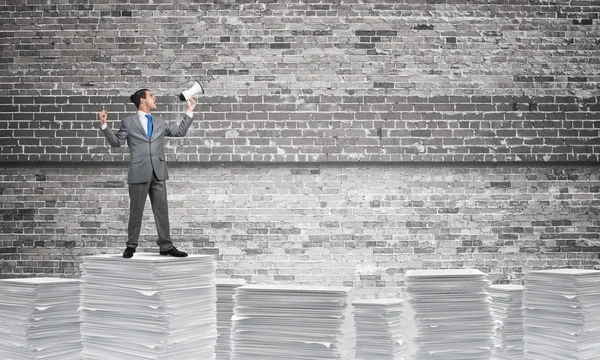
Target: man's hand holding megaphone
point(191, 104)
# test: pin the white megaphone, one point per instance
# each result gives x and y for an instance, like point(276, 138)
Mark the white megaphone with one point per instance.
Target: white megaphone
point(196, 89)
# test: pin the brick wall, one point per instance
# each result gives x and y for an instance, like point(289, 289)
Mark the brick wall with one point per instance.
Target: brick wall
point(291, 81)
point(427, 133)
point(320, 129)
point(362, 225)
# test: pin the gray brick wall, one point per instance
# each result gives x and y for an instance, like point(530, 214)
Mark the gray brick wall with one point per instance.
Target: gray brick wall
point(361, 225)
point(456, 81)
point(318, 129)
point(340, 142)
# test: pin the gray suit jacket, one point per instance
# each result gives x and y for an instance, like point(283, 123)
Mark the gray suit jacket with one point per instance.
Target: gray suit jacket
point(147, 155)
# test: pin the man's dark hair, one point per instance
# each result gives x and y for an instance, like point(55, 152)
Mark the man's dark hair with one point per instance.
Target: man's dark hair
point(140, 94)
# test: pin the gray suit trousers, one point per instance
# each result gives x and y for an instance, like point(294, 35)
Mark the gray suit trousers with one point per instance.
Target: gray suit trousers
point(157, 189)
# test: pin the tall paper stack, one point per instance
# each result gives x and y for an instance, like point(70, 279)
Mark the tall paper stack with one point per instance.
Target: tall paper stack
point(507, 309)
point(39, 319)
point(293, 323)
point(378, 330)
point(447, 315)
point(148, 307)
point(225, 303)
point(561, 311)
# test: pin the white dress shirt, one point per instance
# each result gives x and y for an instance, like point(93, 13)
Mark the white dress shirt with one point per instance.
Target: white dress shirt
point(143, 120)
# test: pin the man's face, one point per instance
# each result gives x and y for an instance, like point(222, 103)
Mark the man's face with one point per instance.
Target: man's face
point(150, 101)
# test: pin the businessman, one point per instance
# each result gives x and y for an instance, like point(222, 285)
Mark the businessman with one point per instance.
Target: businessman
point(145, 136)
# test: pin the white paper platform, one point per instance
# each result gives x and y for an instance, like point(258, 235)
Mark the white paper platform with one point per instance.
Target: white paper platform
point(39, 319)
point(561, 311)
point(273, 322)
point(446, 315)
point(148, 307)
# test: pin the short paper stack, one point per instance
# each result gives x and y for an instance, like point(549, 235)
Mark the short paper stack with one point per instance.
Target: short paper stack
point(447, 315)
point(225, 303)
point(378, 331)
point(293, 323)
point(561, 310)
point(507, 309)
point(39, 319)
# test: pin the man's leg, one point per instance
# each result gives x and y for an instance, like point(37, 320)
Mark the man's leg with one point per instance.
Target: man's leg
point(137, 200)
point(160, 208)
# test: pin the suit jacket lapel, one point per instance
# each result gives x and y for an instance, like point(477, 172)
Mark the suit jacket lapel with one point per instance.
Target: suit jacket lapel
point(136, 120)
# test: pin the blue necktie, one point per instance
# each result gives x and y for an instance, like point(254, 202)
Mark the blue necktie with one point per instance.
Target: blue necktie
point(149, 126)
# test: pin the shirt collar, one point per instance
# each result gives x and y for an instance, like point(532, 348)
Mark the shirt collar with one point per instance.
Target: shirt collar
point(142, 114)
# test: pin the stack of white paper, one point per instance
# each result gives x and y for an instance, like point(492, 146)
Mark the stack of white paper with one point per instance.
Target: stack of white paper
point(447, 316)
point(562, 314)
point(293, 323)
point(39, 319)
point(225, 303)
point(378, 330)
point(507, 309)
point(148, 307)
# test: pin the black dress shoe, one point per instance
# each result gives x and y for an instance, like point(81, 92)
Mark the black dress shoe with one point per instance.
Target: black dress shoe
point(174, 252)
point(128, 253)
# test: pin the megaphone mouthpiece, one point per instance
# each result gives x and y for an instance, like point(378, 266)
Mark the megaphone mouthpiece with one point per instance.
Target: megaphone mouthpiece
point(196, 89)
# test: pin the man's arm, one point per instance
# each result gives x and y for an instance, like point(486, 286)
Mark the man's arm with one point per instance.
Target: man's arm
point(178, 130)
point(115, 140)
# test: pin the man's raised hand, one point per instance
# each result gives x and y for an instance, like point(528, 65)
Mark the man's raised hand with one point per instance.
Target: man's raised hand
point(102, 115)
